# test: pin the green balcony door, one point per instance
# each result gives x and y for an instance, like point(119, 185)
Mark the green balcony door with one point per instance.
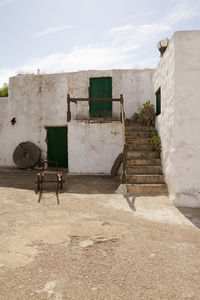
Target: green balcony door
point(100, 88)
point(57, 145)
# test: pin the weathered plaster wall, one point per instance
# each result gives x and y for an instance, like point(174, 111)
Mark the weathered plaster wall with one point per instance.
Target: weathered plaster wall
point(187, 121)
point(4, 132)
point(39, 101)
point(164, 79)
point(178, 75)
point(93, 147)
point(136, 87)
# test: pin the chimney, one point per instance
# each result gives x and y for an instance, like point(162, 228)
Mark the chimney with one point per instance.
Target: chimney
point(162, 46)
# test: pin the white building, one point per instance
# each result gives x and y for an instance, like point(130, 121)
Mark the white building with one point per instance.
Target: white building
point(178, 77)
point(39, 105)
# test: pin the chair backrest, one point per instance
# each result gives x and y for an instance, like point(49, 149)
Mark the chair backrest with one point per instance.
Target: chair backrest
point(47, 162)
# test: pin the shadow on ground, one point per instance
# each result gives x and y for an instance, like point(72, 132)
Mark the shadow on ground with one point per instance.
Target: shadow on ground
point(192, 214)
point(131, 201)
point(78, 184)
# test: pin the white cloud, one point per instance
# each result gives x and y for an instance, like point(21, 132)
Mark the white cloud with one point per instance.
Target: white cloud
point(89, 57)
point(131, 37)
point(139, 15)
point(52, 30)
point(5, 74)
point(4, 2)
point(140, 30)
point(121, 47)
point(122, 28)
point(153, 29)
point(183, 10)
point(80, 58)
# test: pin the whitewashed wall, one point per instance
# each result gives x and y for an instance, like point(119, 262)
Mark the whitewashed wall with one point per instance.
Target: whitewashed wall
point(136, 87)
point(187, 122)
point(38, 101)
point(5, 125)
point(164, 79)
point(178, 74)
point(93, 147)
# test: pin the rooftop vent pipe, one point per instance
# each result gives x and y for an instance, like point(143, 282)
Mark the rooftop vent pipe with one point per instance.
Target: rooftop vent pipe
point(162, 46)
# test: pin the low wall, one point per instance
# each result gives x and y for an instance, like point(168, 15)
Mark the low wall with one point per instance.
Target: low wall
point(93, 147)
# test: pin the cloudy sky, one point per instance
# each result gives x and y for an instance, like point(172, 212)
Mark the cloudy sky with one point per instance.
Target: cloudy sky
point(63, 36)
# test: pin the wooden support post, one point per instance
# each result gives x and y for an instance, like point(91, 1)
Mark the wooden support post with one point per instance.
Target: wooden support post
point(121, 106)
point(124, 163)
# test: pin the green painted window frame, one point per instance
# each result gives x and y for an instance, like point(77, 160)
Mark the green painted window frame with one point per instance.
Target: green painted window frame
point(158, 102)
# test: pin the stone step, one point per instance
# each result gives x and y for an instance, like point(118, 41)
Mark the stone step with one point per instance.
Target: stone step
point(139, 147)
point(138, 127)
point(147, 189)
point(144, 170)
point(136, 140)
point(141, 178)
point(142, 154)
point(143, 162)
point(135, 134)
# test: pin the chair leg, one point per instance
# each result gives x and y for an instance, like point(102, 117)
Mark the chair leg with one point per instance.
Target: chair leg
point(57, 188)
point(41, 187)
point(61, 182)
point(37, 181)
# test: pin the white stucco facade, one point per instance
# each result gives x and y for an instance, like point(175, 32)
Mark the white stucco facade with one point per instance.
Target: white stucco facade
point(4, 133)
point(164, 79)
point(40, 101)
point(93, 146)
point(179, 123)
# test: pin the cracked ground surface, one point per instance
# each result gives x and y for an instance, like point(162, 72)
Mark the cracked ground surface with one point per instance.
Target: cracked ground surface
point(95, 245)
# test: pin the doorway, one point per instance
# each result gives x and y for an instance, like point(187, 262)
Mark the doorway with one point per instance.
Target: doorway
point(57, 145)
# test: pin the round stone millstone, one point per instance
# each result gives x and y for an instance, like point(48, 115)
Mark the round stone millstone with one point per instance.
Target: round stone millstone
point(26, 155)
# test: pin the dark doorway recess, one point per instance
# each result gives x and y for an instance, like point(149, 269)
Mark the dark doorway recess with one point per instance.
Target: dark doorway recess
point(57, 145)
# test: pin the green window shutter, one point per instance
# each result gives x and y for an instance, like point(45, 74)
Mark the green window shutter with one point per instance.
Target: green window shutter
point(100, 88)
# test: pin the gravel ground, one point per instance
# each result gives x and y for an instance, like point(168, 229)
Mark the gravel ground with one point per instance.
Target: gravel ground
point(95, 245)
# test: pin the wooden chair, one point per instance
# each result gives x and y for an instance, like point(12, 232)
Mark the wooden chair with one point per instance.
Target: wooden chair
point(47, 175)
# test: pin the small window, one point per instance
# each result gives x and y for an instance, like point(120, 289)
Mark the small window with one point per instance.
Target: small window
point(158, 102)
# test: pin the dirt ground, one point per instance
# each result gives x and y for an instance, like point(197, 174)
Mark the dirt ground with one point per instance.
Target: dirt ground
point(96, 244)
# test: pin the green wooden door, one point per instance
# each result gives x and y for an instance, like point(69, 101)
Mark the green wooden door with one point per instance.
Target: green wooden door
point(57, 145)
point(100, 88)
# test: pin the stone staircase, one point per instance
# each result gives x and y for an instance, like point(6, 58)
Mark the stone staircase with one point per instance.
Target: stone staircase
point(143, 166)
